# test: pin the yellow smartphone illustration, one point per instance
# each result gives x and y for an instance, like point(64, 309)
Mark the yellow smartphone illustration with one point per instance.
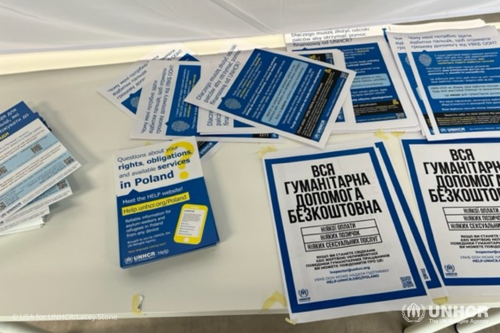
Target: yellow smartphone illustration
point(191, 223)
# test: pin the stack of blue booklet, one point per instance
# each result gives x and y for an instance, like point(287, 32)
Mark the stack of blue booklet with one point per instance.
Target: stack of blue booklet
point(33, 170)
point(162, 200)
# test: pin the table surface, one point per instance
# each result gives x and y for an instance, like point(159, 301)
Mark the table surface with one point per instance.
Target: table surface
point(71, 266)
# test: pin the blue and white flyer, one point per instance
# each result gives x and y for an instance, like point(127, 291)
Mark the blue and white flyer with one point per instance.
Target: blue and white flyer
point(26, 226)
point(16, 222)
point(32, 159)
point(288, 94)
point(162, 113)
point(125, 91)
point(378, 94)
point(395, 36)
point(210, 123)
point(162, 202)
point(456, 184)
point(54, 194)
point(458, 75)
point(342, 246)
point(426, 265)
point(345, 119)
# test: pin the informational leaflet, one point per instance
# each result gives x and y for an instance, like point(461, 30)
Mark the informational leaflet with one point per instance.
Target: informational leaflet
point(125, 91)
point(288, 94)
point(395, 35)
point(162, 113)
point(17, 222)
point(54, 194)
point(162, 202)
point(378, 95)
point(32, 160)
point(426, 265)
point(335, 57)
point(340, 238)
point(456, 184)
point(207, 149)
point(458, 74)
point(28, 226)
point(210, 123)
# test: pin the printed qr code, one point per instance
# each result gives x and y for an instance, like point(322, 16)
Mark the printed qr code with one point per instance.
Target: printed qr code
point(424, 274)
point(68, 160)
point(3, 170)
point(36, 148)
point(2, 205)
point(407, 282)
point(62, 185)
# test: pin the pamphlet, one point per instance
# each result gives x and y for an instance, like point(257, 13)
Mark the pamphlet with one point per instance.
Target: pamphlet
point(162, 202)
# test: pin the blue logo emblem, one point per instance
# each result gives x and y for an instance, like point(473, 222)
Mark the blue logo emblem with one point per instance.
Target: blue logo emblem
point(303, 292)
point(449, 268)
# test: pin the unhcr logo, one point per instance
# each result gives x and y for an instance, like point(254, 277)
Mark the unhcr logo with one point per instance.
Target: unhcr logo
point(413, 313)
point(303, 295)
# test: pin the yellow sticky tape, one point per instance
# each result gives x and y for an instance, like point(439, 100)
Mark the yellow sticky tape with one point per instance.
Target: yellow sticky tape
point(288, 320)
point(276, 297)
point(147, 143)
point(137, 300)
point(265, 150)
point(440, 301)
point(380, 134)
point(398, 134)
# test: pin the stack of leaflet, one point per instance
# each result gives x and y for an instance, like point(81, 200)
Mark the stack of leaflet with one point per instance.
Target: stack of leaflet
point(33, 168)
point(457, 188)
point(347, 239)
point(242, 94)
point(163, 78)
point(378, 99)
point(452, 73)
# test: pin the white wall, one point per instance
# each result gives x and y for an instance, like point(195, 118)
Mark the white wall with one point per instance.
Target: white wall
point(54, 24)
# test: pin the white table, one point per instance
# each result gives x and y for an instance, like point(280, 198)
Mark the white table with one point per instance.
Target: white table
point(71, 265)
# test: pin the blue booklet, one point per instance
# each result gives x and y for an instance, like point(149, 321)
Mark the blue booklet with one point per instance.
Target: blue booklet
point(162, 202)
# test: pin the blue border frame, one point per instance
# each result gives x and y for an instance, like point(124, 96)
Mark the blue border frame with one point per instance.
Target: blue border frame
point(419, 289)
point(434, 279)
point(458, 281)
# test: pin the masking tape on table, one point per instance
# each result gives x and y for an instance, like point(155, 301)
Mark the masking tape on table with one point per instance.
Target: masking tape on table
point(137, 300)
point(380, 134)
point(440, 301)
point(276, 297)
point(398, 134)
point(265, 150)
point(288, 320)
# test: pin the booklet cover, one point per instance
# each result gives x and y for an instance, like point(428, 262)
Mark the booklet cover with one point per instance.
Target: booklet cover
point(162, 202)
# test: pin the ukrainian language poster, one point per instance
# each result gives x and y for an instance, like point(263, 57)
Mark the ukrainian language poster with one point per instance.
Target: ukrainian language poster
point(457, 186)
point(428, 269)
point(340, 238)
